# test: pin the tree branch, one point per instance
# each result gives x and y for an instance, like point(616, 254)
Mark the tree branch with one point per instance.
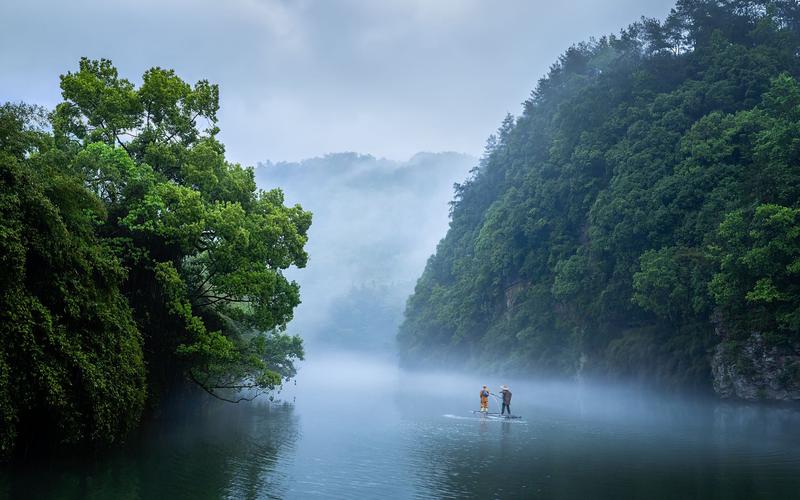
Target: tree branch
point(213, 299)
point(210, 390)
point(201, 285)
point(168, 139)
point(121, 143)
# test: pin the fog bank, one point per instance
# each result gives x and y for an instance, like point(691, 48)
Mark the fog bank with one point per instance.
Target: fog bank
point(376, 221)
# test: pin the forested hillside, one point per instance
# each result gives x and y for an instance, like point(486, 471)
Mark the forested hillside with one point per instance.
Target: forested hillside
point(640, 218)
point(133, 256)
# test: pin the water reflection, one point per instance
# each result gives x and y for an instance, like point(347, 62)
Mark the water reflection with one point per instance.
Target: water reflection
point(208, 450)
point(596, 442)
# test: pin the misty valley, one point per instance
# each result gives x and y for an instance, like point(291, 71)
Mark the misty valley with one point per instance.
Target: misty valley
point(600, 301)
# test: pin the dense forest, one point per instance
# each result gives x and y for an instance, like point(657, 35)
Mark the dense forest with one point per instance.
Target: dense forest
point(641, 217)
point(375, 223)
point(133, 257)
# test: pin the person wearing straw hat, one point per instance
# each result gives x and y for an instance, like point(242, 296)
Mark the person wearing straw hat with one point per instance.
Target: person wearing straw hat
point(485, 399)
point(506, 393)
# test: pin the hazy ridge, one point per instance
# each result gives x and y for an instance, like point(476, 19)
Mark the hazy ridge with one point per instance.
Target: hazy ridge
point(375, 223)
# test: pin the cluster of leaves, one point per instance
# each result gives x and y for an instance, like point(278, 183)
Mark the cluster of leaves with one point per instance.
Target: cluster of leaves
point(130, 241)
point(651, 182)
point(71, 364)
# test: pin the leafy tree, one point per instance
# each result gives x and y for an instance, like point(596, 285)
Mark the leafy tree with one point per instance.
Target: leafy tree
point(205, 250)
point(128, 241)
point(672, 283)
point(71, 364)
point(757, 286)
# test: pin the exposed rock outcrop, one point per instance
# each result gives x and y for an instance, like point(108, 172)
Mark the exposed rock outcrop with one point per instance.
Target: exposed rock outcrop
point(753, 370)
point(514, 291)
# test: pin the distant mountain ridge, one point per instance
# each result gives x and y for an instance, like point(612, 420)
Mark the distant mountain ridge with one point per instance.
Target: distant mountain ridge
point(375, 223)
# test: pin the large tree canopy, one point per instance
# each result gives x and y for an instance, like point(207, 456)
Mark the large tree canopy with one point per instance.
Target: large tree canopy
point(149, 249)
point(189, 221)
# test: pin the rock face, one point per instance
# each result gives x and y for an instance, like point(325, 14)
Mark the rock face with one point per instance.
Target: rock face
point(514, 291)
point(754, 371)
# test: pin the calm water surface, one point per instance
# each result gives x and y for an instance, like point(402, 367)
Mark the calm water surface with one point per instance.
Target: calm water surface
point(355, 428)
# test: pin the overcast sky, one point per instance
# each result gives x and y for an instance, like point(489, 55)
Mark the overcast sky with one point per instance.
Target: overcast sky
point(304, 78)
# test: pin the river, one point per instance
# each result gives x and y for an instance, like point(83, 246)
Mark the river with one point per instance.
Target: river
point(352, 427)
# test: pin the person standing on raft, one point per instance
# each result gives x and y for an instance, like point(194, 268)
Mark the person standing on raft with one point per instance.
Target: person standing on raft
point(506, 393)
point(485, 399)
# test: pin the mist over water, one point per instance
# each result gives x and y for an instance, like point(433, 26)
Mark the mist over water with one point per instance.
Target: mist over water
point(354, 427)
point(376, 222)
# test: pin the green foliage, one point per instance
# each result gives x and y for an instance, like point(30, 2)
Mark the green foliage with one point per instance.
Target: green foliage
point(188, 224)
point(672, 283)
point(603, 221)
point(128, 240)
point(757, 286)
point(71, 363)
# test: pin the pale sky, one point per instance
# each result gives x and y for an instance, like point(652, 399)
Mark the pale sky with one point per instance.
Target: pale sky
point(303, 78)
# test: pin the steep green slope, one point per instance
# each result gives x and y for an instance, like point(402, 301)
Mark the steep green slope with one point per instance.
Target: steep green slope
point(640, 215)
